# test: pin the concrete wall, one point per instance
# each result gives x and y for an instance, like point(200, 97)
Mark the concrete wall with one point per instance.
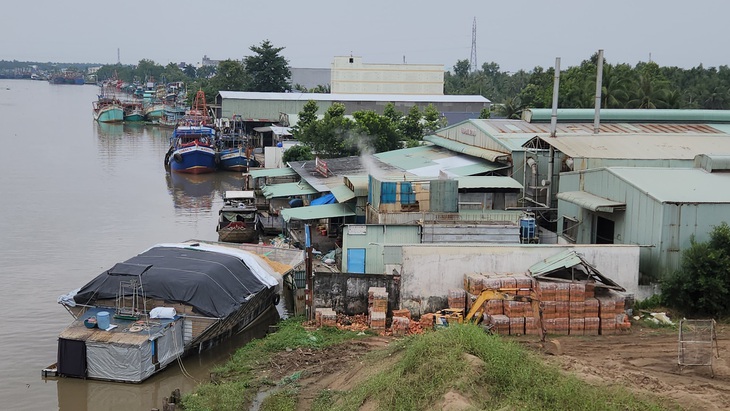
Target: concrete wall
point(351, 76)
point(429, 271)
point(348, 293)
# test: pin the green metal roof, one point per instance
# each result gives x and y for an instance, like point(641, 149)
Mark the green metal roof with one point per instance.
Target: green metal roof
point(359, 184)
point(629, 115)
point(342, 193)
point(467, 149)
point(273, 172)
point(287, 189)
point(590, 201)
point(488, 182)
point(474, 169)
point(429, 160)
point(677, 185)
point(318, 212)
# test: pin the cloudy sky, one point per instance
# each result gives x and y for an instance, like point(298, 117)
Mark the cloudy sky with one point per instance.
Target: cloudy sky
point(515, 34)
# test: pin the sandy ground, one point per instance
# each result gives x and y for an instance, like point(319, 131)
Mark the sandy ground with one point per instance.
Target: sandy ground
point(644, 360)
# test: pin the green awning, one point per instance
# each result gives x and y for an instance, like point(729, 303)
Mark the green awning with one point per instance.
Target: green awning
point(473, 151)
point(318, 212)
point(342, 193)
point(591, 202)
point(287, 189)
point(273, 172)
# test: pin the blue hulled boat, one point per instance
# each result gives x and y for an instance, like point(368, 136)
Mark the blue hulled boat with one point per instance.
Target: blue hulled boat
point(192, 150)
point(233, 155)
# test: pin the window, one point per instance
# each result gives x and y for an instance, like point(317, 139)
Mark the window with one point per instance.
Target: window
point(387, 195)
point(407, 196)
point(570, 228)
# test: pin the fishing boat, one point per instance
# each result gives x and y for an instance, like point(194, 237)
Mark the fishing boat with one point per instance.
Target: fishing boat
point(198, 113)
point(133, 111)
point(238, 218)
point(232, 153)
point(137, 317)
point(108, 110)
point(192, 150)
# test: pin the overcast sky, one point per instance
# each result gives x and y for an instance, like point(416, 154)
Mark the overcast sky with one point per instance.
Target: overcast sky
point(515, 34)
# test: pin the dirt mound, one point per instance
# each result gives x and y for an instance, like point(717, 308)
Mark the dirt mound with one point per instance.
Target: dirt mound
point(644, 361)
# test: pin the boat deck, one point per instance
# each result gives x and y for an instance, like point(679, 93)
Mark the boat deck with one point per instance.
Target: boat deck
point(121, 331)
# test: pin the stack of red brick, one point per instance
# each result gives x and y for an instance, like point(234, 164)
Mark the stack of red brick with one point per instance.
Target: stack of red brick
point(325, 317)
point(377, 307)
point(568, 308)
point(401, 323)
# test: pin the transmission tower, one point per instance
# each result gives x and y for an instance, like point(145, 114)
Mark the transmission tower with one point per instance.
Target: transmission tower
point(473, 59)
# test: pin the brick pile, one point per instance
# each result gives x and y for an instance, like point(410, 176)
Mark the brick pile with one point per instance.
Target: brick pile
point(400, 326)
point(325, 317)
point(568, 307)
point(377, 307)
point(457, 298)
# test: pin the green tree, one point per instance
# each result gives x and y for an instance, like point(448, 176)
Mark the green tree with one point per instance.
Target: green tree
point(512, 108)
point(411, 126)
point(190, 71)
point(267, 69)
point(332, 135)
point(378, 132)
point(394, 115)
point(702, 284)
point(307, 116)
point(298, 152)
point(432, 120)
point(485, 113)
point(230, 76)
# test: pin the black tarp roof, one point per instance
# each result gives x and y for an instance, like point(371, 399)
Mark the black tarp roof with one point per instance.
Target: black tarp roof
point(214, 284)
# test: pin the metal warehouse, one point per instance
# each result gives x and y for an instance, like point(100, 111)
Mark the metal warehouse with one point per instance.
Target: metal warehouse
point(660, 208)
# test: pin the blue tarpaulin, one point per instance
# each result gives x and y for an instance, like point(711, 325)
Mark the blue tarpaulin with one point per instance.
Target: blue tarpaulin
point(325, 199)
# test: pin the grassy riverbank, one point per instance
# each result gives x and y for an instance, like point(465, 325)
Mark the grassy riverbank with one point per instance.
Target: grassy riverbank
point(460, 364)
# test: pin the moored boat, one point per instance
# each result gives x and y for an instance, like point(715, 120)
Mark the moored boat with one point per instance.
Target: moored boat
point(192, 150)
point(137, 317)
point(238, 218)
point(233, 153)
point(108, 110)
point(133, 111)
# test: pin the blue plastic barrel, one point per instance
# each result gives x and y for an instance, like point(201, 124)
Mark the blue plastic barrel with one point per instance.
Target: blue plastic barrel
point(102, 320)
point(527, 227)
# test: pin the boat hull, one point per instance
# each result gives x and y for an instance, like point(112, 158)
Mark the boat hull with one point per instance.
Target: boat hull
point(193, 160)
point(234, 160)
point(238, 233)
point(111, 114)
point(154, 112)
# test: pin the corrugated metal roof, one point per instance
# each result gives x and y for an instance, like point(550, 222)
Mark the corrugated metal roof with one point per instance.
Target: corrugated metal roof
point(342, 193)
point(430, 160)
point(565, 261)
point(590, 201)
point(318, 212)
point(272, 172)
point(340, 167)
point(473, 151)
point(629, 115)
point(488, 182)
point(409, 98)
point(677, 185)
point(358, 184)
point(712, 162)
point(645, 147)
point(287, 189)
point(500, 128)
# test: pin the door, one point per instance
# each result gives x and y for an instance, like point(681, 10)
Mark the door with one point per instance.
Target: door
point(356, 260)
point(604, 230)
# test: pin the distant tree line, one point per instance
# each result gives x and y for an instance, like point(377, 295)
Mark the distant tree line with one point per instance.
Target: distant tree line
point(645, 85)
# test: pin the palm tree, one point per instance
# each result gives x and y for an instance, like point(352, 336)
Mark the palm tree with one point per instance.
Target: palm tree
point(614, 85)
point(649, 93)
point(512, 108)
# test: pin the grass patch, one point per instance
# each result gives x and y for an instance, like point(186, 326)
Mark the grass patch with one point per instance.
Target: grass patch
point(235, 382)
point(511, 377)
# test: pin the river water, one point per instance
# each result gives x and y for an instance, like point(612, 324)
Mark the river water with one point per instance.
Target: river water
point(77, 197)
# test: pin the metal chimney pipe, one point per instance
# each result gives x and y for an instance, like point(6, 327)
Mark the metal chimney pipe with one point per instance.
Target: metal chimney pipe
point(556, 88)
point(599, 88)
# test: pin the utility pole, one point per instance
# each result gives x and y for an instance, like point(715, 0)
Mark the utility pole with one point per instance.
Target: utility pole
point(473, 62)
point(308, 290)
